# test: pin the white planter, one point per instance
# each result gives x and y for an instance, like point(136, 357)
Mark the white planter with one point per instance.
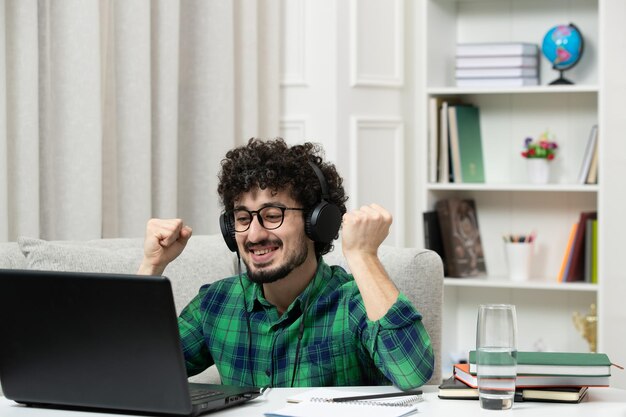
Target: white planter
point(538, 170)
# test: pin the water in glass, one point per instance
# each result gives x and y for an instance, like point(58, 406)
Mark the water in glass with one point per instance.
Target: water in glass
point(496, 358)
point(496, 377)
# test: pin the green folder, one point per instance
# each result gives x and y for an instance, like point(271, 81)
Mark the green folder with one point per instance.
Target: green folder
point(470, 144)
point(557, 363)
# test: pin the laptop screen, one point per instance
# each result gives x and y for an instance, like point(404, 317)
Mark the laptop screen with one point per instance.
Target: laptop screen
point(91, 340)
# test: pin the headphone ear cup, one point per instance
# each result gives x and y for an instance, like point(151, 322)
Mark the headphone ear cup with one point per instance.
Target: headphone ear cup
point(308, 227)
point(228, 232)
point(323, 222)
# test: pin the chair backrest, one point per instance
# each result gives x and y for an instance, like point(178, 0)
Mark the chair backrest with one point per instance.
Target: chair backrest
point(418, 273)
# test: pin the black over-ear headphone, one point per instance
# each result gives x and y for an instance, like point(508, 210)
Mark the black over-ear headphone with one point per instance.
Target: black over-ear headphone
point(321, 223)
point(228, 231)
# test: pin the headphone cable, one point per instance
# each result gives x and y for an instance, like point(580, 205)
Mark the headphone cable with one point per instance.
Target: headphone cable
point(245, 307)
point(301, 330)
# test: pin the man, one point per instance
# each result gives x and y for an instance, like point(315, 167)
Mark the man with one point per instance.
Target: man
point(292, 320)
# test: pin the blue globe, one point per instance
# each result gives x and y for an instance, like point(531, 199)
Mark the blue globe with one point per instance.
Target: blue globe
point(563, 46)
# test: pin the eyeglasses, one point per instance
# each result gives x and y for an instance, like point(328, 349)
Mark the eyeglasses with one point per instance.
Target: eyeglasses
point(270, 217)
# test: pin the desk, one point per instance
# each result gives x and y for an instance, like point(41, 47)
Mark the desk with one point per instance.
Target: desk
point(599, 402)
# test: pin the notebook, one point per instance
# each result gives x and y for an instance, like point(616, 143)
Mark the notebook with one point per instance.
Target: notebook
point(454, 389)
point(318, 402)
point(98, 341)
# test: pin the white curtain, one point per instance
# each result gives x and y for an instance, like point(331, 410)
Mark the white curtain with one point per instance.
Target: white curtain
point(115, 111)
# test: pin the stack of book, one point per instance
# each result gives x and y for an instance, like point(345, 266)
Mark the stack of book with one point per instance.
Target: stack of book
point(454, 142)
point(541, 376)
point(497, 64)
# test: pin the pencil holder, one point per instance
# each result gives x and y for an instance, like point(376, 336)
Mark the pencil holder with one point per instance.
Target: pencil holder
point(519, 259)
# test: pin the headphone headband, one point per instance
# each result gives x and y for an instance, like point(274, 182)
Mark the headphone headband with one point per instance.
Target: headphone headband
point(322, 180)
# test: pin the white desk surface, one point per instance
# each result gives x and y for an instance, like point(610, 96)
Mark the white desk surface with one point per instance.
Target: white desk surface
point(599, 402)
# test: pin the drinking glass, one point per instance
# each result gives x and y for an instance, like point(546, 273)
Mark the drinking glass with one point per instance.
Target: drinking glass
point(496, 355)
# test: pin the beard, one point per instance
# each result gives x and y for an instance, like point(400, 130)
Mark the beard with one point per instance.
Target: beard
point(292, 261)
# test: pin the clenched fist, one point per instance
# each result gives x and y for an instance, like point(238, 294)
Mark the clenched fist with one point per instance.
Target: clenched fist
point(165, 240)
point(365, 229)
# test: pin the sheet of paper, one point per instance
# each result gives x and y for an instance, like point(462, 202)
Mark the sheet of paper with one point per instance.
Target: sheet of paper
point(311, 404)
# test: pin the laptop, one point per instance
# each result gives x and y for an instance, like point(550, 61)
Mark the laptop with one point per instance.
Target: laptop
point(101, 342)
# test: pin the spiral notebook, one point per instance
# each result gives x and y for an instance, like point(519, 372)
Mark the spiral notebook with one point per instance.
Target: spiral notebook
point(318, 402)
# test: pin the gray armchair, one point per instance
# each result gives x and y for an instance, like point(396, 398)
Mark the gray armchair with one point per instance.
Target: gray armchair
point(417, 273)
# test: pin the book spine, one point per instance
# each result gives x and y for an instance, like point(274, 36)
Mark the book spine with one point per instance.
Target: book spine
point(432, 236)
point(576, 271)
point(455, 153)
point(594, 252)
point(444, 177)
point(496, 82)
point(470, 144)
point(496, 72)
point(588, 249)
point(433, 138)
point(566, 255)
point(592, 178)
point(588, 156)
point(443, 213)
point(496, 49)
point(497, 62)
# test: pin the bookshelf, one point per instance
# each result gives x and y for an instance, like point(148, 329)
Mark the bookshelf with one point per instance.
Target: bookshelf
point(504, 282)
point(506, 202)
point(540, 89)
point(552, 188)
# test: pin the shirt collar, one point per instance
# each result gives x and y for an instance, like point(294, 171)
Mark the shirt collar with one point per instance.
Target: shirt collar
point(256, 299)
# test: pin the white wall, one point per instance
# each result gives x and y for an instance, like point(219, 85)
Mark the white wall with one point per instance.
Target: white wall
point(345, 86)
point(612, 205)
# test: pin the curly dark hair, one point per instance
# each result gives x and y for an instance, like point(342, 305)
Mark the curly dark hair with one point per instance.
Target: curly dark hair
point(275, 165)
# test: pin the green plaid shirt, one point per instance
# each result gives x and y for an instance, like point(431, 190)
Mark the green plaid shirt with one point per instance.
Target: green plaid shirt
point(340, 345)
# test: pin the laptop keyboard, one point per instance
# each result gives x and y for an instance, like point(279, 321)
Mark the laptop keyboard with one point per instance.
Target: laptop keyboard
point(199, 394)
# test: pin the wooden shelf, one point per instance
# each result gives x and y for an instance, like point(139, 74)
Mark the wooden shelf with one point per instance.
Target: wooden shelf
point(540, 89)
point(578, 188)
point(503, 282)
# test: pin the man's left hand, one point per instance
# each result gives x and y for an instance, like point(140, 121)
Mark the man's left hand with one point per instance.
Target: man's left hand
point(365, 229)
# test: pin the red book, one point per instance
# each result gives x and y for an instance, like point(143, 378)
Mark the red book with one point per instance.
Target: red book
point(462, 373)
point(576, 271)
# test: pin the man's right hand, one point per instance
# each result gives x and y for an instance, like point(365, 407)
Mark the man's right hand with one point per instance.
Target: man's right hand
point(165, 240)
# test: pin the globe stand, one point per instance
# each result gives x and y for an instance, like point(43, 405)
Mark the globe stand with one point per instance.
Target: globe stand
point(561, 80)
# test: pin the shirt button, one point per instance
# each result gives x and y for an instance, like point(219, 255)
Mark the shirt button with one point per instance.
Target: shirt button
point(268, 372)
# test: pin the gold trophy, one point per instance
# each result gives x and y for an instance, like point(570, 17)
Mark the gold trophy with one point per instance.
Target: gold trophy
point(587, 326)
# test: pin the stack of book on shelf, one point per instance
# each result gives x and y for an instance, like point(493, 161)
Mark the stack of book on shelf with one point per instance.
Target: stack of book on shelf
point(541, 376)
point(497, 64)
point(580, 260)
point(455, 142)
